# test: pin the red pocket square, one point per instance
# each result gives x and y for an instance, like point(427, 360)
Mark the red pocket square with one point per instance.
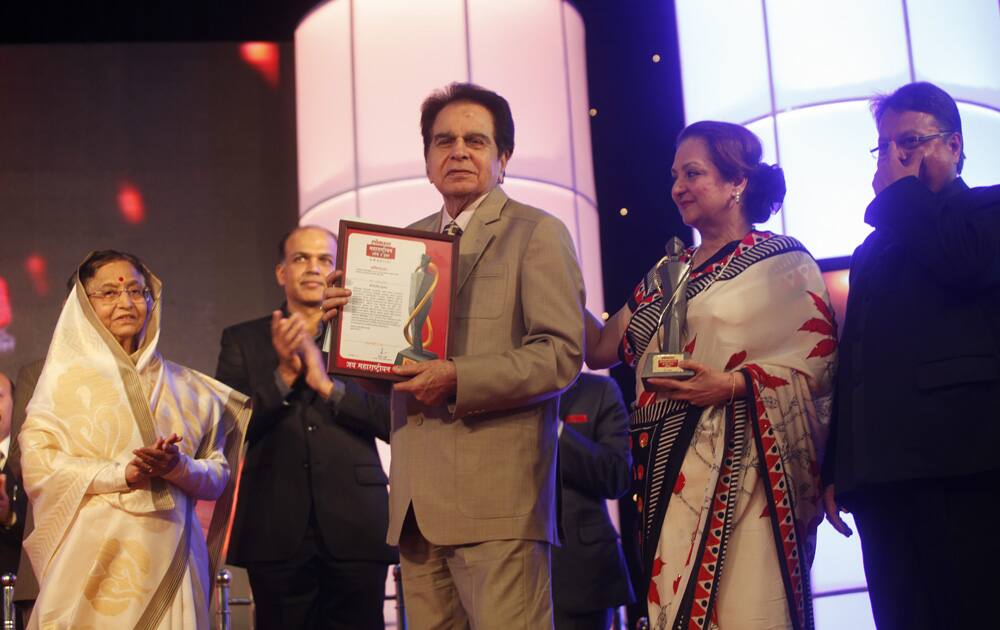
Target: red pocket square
point(577, 418)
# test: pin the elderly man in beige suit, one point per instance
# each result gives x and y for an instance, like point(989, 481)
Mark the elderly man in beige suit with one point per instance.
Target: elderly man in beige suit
point(473, 475)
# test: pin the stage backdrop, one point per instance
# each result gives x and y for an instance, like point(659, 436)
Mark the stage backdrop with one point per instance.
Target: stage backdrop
point(181, 153)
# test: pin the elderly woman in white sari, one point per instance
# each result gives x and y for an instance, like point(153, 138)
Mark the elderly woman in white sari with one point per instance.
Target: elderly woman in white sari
point(727, 462)
point(118, 446)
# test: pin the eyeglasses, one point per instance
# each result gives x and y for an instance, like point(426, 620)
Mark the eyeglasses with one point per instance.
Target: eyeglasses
point(907, 143)
point(110, 296)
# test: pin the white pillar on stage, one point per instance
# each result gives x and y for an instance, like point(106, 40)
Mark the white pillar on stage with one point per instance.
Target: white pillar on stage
point(799, 75)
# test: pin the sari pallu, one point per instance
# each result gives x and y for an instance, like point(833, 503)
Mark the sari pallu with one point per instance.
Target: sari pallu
point(762, 309)
point(108, 556)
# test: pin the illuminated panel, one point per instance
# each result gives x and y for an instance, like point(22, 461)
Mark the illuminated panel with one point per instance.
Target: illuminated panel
point(823, 51)
point(851, 610)
point(579, 105)
point(537, 98)
point(828, 172)
point(324, 108)
point(588, 243)
point(956, 45)
point(981, 132)
point(723, 59)
point(764, 129)
point(825, 61)
point(329, 212)
point(830, 573)
point(398, 203)
point(403, 50)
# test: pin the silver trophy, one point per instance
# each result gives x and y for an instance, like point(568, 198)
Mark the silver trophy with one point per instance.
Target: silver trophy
point(422, 285)
point(672, 275)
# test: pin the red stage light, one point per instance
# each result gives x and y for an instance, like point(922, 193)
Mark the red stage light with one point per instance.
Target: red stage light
point(6, 313)
point(130, 203)
point(262, 57)
point(37, 269)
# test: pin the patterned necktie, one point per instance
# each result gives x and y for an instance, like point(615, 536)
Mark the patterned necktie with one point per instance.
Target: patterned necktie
point(452, 229)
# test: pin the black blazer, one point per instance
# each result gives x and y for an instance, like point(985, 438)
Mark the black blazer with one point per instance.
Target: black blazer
point(588, 570)
point(300, 457)
point(918, 385)
point(10, 538)
point(26, 588)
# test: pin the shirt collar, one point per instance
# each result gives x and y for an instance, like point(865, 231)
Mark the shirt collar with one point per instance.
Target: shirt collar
point(465, 216)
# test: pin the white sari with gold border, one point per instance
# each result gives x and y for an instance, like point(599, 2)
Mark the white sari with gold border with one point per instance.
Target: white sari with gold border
point(106, 555)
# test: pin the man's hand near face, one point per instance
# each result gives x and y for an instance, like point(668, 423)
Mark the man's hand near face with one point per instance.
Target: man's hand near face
point(432, 383)
point(893, 166)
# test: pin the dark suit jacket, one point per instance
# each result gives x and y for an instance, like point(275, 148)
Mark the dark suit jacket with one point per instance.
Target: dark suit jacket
point(10, 540)
point(301, 457)
point(918, 385)
point(588, 570)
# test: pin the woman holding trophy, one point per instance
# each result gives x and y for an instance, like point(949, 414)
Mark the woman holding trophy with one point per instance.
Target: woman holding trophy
point(734, 346)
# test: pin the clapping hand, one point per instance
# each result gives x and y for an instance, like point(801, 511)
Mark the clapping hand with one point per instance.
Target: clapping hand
point(153, 461)
point(315, 367)
point(287, 334)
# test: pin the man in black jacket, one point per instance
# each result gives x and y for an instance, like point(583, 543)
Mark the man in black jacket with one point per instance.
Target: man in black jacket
point(313, 506)
point(10, 531)
point(915, 421)
point(589, 576)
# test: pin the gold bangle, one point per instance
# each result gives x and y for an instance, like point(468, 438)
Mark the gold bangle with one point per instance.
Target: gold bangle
point(732, 394)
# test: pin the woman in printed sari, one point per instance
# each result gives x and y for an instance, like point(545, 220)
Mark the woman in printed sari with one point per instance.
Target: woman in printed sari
point(727, 462)
point(118, 445)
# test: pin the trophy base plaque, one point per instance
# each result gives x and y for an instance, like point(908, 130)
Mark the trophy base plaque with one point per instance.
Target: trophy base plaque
point(411, 355)
point(666, 365)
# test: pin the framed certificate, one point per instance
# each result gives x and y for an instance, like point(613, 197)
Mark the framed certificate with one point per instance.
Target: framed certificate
point(403, 285)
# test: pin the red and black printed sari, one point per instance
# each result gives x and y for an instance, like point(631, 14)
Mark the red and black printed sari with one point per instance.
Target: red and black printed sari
point(729, 496)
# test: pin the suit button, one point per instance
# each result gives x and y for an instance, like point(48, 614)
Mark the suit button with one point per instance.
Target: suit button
point(310, 428)
point(305, 465)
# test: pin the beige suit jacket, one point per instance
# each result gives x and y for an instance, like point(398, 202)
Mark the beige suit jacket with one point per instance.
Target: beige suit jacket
point(484, 468)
